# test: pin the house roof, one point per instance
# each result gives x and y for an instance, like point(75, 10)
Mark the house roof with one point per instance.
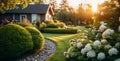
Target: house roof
point(34, 8)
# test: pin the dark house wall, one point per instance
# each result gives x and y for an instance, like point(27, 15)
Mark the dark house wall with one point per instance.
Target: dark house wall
point(42, 17)
point(8, 16)
point(29, 17)
point(17, 17)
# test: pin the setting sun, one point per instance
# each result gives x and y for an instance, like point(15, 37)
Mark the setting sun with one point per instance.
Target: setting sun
point(94, 8)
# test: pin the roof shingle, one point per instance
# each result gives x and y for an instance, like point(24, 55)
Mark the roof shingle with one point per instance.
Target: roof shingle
point(36, 8)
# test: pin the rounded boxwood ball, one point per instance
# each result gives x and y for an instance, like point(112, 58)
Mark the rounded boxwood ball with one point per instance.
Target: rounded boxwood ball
point(37, 38)
point(14, 41)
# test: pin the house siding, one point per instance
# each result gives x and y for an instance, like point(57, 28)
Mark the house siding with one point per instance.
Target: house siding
point(29, 17)
point(8, 16)
point(17, 17)
point(44, 12)
point(42, 17)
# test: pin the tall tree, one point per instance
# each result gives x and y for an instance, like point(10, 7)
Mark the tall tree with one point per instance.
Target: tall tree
point(84, 15)
point(12, 4)
point(64, 4)
point(110, 13)
point(53, 3)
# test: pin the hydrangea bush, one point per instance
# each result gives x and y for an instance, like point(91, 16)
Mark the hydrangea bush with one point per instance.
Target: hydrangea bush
point(101, 44)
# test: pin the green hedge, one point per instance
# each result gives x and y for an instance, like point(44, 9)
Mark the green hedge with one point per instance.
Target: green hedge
point(37, 38)
point(14, 41)
point(52, 25)
point(59, 31)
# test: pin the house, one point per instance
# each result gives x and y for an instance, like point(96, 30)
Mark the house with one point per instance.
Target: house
point(40, 12)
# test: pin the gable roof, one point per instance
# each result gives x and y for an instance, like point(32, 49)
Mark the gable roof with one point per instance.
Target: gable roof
point(34, 8)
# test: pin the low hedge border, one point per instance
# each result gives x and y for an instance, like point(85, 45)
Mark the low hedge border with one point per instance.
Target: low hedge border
point(59, 31)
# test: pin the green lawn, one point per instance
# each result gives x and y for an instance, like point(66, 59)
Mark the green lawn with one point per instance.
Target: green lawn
point(62, 41)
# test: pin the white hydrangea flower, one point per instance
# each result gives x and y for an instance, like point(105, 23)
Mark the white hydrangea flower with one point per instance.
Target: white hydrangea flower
point(119, 28)
point(103, 23)
point(103, 40)
point(85, 37)
point(101, 56)
point(72, 42)
point(108, 46)
point(66, 54)
point(117, 59)
point(91, 54)
point(78, 31)
point(69, 49)
point(102, 28)
point(83, 51)
point(83, 34)
point(113, 51)
point(78, 40)
point(86, 31)
point(90, 40)
point(79, 44)
point(117, 45)
point(119, 19)
point(107, 33)
point(88, 47)
point(82, 39)
point(97, 43)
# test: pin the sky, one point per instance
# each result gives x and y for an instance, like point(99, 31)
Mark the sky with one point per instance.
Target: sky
point(75, 3)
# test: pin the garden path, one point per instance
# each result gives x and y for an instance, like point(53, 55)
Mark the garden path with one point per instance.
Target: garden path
point(50, 47)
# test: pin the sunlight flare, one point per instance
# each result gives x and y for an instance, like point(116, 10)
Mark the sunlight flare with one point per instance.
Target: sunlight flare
point(93, 3)
point(94, 7)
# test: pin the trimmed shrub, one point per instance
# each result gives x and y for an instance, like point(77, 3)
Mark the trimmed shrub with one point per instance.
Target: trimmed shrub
point(52, 25)
point(49, 21)
point(25, 23)
point(37, 38)
point(59, 31)
point(14, 41)
point(42, 25)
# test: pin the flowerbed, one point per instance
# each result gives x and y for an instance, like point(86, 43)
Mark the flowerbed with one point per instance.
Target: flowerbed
point(95, 45)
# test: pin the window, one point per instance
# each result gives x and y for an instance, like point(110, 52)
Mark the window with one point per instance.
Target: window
point(14, 17)
point(22, 17)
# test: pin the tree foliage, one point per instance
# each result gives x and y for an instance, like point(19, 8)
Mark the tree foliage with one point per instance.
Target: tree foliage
point(109, 12)
point(12, 4)
point(53, 3)
point(64, 16)
point(64, 4)
point(84, 14)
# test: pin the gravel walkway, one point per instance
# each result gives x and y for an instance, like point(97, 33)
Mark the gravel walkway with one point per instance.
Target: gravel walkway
point(50, 48)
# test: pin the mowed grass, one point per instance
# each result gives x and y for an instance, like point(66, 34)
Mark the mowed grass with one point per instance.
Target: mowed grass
point(62, 41)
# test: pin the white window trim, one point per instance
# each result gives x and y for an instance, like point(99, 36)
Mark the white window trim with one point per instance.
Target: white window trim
point(21, 17)
point(14, 17)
